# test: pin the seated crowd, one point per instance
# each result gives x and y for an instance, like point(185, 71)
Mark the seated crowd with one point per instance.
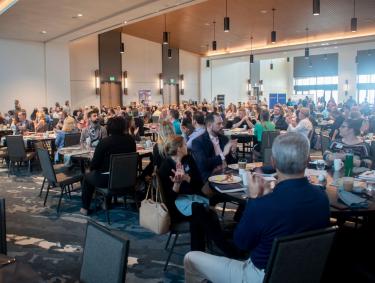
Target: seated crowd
point(191, 146)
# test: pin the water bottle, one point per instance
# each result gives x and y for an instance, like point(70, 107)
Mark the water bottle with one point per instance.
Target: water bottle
point(348, 165)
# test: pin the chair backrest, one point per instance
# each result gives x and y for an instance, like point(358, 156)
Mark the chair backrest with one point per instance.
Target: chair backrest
point(300, 258)
point(268, 137)
point(105, 256)
point(3, 230)
point(123, 171)
point(72, 139)
point(372, 153)
point(55, 121)
point(45, 162)
point(325, 141)
point(16, 148)
point(266, 156)
point(155, 119)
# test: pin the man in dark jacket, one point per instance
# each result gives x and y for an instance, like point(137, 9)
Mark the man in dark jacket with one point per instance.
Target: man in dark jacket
point(278, 119)
point(212, 150)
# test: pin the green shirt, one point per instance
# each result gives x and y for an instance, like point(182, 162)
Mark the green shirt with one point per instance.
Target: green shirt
point(260, 127)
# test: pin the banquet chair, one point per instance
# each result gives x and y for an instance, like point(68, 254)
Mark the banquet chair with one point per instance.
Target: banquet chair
point(105, 255)
point(300, 258)
point(3, 231)
point(17, 152)
point(176, 229)
point(325, 141)
point(62, 179)
point(72, 139)
point(58, 167)
point(122, 178)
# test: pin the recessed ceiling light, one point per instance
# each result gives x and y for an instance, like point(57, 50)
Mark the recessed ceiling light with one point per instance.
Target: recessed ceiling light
point(125, 22)
point(79, 15)
point(263, 11)
point(43, 32)
point(207, 24)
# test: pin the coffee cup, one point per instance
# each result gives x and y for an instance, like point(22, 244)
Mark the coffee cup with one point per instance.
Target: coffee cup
point(347, 183)
point(338, 164)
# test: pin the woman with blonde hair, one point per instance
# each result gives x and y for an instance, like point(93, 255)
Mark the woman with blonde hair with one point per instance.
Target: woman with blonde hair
point(40, 124)
point(166, 130)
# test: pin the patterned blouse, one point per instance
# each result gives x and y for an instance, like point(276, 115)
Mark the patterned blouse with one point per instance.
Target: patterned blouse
point(359, 150)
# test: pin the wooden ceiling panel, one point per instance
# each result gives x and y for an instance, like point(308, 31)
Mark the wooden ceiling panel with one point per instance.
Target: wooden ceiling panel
point(192, 30)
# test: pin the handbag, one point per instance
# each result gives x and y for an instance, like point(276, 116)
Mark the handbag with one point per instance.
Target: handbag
point(153, 214)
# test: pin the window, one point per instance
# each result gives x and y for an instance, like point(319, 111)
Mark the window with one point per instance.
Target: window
point(317, 87)
point(366, 88)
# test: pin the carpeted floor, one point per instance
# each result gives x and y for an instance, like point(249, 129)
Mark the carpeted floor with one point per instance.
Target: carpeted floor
point(53, 244)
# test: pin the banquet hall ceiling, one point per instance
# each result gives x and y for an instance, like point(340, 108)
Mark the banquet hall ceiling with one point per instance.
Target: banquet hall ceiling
point(191, 28)
point(26, 19)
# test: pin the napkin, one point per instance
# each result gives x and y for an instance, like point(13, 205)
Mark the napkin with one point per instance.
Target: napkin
point(352, 200)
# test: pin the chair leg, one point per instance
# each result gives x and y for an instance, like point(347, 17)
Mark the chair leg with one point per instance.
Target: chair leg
point(60, 198)
point(10, 166)
point(170, 252)
point(29, 167)
point(45, 198)
point(107, 215)
point(169, 238)
point(41, 189)
point(223, 211)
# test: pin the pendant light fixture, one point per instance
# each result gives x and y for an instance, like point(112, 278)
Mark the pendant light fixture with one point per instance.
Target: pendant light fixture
point(271, 65)
point(251, 62)
point(165, 33)
point(226, 18)
point(353, 22)
point(307, 49)
point(251, 51)
point(316, 7)
point(214, 43)
point(273, 32)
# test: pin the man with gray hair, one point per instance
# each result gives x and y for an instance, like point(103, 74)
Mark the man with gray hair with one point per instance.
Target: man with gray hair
point(304, 125)
point(293, 206)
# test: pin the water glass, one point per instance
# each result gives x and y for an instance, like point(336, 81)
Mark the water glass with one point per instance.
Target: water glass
point(320, 164)
point(242, 163)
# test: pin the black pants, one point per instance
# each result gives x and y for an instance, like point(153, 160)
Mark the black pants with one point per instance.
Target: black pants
point(92, 180)
point(205, 225)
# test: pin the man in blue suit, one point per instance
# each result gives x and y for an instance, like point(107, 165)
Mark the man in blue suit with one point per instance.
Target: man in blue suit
point(212, 150)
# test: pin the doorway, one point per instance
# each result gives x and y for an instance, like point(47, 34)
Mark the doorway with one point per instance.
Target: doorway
point(110, 94)
point(171, 94)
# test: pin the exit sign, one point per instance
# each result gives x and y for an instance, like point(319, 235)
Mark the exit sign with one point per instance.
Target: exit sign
point(112, 78)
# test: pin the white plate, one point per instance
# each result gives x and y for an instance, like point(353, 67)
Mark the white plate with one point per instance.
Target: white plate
point(222, 179)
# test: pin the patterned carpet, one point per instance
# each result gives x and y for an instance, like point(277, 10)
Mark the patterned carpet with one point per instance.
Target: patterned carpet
point(53, 244)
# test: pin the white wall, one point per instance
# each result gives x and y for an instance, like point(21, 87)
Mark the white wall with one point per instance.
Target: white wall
point(228, 74)
point(225, 76)
point(143, 62)
point(36, 74)
point(22, 74)
point(83, 63)
point(58, 72)
point(275, 80)
point(190, 68)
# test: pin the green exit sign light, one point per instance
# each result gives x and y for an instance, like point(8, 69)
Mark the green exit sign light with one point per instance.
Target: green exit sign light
point(112, 78)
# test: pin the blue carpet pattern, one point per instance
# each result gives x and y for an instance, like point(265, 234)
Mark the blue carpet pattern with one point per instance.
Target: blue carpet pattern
point(52, 244)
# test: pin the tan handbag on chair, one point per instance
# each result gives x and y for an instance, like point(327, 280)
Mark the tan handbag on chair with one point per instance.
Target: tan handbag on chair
point(153, 214)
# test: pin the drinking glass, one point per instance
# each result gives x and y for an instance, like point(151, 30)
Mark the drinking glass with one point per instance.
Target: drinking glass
point(242, 163)
point(320, 164)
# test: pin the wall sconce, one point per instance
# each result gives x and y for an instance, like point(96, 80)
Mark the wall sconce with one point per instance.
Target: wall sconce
point(161, 83)
point(97, 82)
point(182, 84)
point(261, 88)
point(346, 87)
point(125, 82)
point(249, 86)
